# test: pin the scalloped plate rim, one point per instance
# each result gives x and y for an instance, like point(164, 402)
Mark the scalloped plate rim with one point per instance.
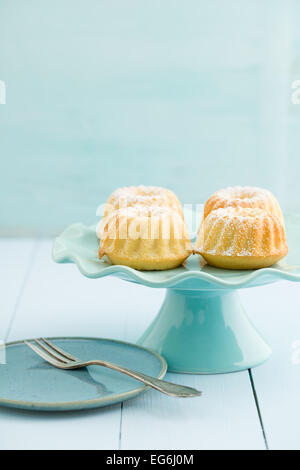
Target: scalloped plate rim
point(137, 276)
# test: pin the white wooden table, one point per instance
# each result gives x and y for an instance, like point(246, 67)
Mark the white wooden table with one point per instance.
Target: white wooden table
point(258, 409)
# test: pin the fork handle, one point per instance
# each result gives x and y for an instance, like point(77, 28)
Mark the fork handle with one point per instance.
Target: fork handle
point(163, 386)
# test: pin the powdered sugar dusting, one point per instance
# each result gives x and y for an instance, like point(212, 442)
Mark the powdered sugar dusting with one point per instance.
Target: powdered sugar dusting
point(142, 196)
point(142, 210)
point(244, 192)
point(237, 231)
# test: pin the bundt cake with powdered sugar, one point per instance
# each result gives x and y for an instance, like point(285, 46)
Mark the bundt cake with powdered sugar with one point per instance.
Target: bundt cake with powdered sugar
point(147, 196)
point(241, 238)
point(145, 238)
point(247, 196)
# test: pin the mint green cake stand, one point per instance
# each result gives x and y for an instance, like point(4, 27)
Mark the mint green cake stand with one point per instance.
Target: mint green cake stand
point(201, 327)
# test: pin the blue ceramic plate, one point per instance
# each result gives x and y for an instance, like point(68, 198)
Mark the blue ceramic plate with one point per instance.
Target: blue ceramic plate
point(79, 244)
point(26, 381)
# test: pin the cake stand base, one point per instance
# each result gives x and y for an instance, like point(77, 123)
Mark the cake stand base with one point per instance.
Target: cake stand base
point(205, 332)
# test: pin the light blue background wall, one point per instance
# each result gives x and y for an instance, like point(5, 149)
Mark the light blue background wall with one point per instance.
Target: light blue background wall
point(193, 95)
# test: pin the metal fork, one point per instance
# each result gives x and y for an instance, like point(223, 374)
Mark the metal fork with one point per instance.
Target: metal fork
point(57, 357)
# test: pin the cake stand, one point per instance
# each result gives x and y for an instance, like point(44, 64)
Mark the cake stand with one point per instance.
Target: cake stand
point(201, 327)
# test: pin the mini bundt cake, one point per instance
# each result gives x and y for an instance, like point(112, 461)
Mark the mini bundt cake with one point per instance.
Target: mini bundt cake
point(241, 238)
point(143, 196)
point(145, 238)
point(247, 196)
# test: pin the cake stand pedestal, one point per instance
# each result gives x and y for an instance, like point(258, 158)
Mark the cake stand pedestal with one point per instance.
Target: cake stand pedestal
point(205, 332)
point(201, 327)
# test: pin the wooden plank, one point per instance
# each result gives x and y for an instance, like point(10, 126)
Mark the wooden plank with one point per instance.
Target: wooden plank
point(16, 258)
point(224, 418)
point(57, 301)
point(275, 311)
point(93, 429)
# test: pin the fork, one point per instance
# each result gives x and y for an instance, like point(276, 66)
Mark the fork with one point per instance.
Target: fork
point(61, 359)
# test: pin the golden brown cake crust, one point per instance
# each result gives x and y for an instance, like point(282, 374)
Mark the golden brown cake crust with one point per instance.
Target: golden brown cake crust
point(148, 196)
point(145, 238)
point(242, 262)
point(247, 196)
point(241, 238)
